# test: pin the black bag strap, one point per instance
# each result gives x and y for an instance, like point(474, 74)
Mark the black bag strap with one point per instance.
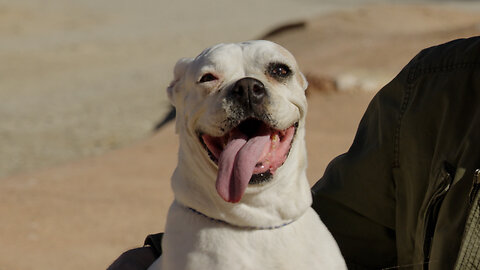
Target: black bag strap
point(154, 241)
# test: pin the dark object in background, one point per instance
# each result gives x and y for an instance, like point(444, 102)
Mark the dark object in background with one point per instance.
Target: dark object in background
point(169, 117)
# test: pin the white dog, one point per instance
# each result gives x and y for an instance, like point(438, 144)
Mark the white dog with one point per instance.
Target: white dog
point(242, 199)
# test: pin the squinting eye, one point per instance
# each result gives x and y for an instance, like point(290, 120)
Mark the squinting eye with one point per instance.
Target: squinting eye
point(278, 70)
point(207, 78)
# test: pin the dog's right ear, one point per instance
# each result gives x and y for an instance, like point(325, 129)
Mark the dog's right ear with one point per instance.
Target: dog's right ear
point(303, 81)
point(178, 72)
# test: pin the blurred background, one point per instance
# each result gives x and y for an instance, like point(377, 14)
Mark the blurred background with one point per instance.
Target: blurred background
point(84, 175)
point(79, 78)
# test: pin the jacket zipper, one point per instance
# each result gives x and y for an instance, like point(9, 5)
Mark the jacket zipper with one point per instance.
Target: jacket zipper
point(475, 185)
point(433, 208)
point(431, 216)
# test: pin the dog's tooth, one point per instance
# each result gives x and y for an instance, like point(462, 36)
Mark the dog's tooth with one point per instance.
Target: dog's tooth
point(275, 138)
point(275, 142)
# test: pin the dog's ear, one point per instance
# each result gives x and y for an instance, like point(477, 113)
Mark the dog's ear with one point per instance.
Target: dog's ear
point(178, 72)
point(302, 80)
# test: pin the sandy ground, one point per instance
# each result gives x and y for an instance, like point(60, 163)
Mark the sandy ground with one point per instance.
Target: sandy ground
point(80, 78)
point(97, 85)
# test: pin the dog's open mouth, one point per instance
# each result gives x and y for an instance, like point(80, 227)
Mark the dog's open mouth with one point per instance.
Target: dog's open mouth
point(250, 153)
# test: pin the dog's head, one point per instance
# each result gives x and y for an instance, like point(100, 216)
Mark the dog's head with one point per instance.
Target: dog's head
point(240, 116)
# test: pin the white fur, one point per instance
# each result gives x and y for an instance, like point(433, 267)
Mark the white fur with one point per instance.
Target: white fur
point(193, 241)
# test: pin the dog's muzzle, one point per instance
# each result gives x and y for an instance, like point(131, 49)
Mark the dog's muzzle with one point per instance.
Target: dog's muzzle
point(252, 149)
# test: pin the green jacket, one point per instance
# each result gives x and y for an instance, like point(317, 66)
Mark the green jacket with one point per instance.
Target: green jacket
point(402, 193)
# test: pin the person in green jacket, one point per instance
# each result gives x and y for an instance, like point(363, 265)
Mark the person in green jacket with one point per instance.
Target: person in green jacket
point(404, 196)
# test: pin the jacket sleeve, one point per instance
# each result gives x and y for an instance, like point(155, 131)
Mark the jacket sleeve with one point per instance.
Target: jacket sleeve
point(356, 196)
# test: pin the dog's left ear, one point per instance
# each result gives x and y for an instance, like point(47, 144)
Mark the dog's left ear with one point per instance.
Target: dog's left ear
point(178, 72)
point(302, 81)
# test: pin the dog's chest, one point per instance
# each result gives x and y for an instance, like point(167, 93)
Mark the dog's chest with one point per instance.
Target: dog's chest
point(195, 242)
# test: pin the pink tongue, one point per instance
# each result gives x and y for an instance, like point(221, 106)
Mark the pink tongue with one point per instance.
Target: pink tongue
point(236, 164)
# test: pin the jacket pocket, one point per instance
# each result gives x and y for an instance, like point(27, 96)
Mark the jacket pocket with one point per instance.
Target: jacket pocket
point(433, 208)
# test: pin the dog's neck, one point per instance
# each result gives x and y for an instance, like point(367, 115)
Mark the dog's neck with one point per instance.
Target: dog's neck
point(286, 198)
point(219, 221)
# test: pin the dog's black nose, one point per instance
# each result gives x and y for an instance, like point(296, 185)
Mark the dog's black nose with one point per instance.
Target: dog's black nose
point(249, 90)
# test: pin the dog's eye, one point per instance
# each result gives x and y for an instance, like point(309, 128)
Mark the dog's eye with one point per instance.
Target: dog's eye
point(278, 70)
point(207, 78)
